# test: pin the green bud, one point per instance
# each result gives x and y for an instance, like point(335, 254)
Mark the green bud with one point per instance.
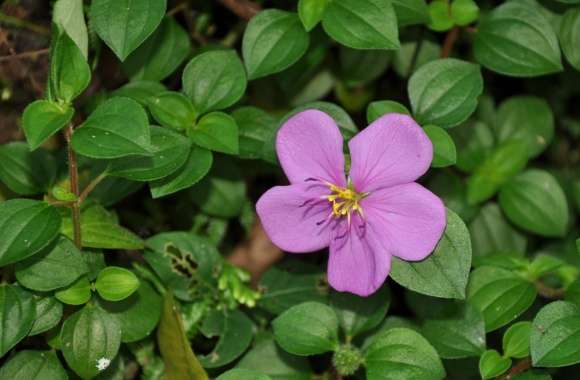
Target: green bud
point(464, 12)
point(440, 16)
point(347, 360)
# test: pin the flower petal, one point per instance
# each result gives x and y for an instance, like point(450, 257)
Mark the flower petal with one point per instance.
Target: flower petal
point(289, 215)
point(410, 219)
point(358, 263)
point(309, 145)
point(391, 151)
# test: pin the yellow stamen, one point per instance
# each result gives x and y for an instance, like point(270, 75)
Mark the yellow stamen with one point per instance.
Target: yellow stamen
point(345, 200)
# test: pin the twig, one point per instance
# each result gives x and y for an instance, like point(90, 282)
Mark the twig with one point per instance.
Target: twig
point(549, 292)
point(19, 23)
point(450, 39)
point(521, 366)
point(91, 186)
point(74, 187)
point(244, 9)
point(178, 8)
point(26, 54)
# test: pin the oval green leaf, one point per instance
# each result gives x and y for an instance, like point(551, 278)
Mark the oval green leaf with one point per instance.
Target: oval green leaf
point(42, 119)
point(17, 313)
point(33, 365)
point(116, 283)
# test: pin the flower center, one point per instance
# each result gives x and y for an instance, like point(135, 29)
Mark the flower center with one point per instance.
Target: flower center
point(345, 200)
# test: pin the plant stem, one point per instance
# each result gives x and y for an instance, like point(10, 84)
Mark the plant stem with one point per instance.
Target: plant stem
point(26, 54)
point(74, 187)
point(19, 23)
point(244, 9)
point(549, 292)
point(449, 42)
point(521, 366)
point(91, 186)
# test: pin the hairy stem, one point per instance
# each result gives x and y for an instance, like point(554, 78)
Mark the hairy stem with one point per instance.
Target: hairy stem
point(449, 42)
point(74, 187)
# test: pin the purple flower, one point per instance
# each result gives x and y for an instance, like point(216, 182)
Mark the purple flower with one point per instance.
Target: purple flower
point(375, 213)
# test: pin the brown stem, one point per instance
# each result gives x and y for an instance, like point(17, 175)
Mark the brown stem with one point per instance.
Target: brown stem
point(26, 54)
point(178, 8)
point(74, 187)
point(521, 366)
point(244, 9)
point(449, 42)
point(549, 292)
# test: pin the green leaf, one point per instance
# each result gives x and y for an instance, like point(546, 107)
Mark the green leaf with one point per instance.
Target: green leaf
point(492, 234)
point(382, 107)
point(26, 227)
point(271, 360)
point(309, 328)
point(359, 67)
point(214, 80)
point(70, 15)
point(242, 374)
point(25, 172)
point(356, 314)
point(117, 128)
point(501, 295)
point(56, 267)
point(445, 92)
point(282, 289)
point(116, 283)
point(492, 364)
point(440, 19)
point(411, 12)
point(464, 12)
point(516, 340)
point(138, 314)
point(216, 131)
point(534, 201)
point(169, 150)
point(17, 314)
point(101, 230)
point(474, 142)
point(452, 191)
point(311, 12)
point(172, 109)
point(570, 36)
point(125, 24)
point(90, 337)
point(555, 334)
point(402, 353)
point(33, 365)
point(273, 41)
point(527, 119)
point(444, 151)
point(516, 39)
point(173, 253)
point(78, 293)
point(461, 335)
point(70, 73)
point(403, 59)
point(221, 193)
point(159, 56)
point(142, 91)
point(198, 164)
point(505, 161)
point(180, 361)
point(444, 273)
point(48, 314)
point(362, 24)
point(42, 119)
point(234, 330)
point(256, 128)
